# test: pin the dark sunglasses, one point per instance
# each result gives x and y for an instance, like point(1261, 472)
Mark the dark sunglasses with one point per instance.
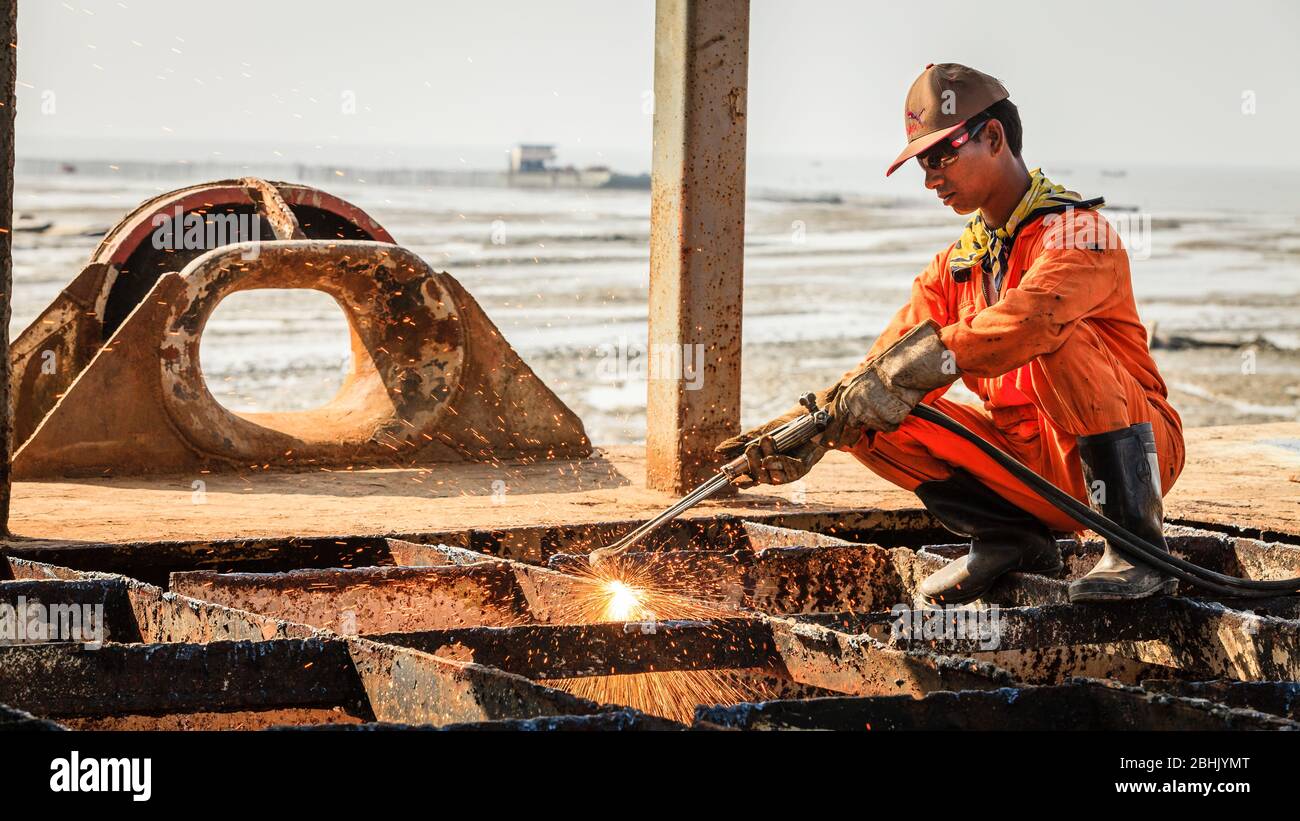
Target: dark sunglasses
point(945, 153)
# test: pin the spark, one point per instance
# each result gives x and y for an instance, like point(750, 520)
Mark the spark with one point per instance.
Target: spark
point(674, 694)
point(624, 602)
point(647, 592)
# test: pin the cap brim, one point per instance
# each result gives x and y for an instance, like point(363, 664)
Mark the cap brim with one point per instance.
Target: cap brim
point(921, 145)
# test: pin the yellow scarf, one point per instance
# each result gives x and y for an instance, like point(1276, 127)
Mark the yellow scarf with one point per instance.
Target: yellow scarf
point(980, 246)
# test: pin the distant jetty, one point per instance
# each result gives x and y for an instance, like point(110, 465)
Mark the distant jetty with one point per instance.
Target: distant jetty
point(529, 167)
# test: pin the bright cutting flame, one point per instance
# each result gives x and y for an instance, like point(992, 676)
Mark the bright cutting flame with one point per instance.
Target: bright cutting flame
point(624, 602)
point(647, 592)
point(634, 594)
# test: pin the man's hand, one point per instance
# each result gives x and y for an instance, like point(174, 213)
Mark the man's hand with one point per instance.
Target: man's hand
point(767, 467)
point(881, 395)
point(877, 395)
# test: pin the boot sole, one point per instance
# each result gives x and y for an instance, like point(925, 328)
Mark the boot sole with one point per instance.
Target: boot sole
point(1165, 588)
point(953, 600)
point(967, 598)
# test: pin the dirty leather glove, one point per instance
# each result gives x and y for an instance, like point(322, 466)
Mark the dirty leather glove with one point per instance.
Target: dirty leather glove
point(768, 467)
point(883, 393)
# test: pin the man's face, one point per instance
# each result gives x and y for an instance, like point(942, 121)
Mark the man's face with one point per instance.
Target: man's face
point(964, 183)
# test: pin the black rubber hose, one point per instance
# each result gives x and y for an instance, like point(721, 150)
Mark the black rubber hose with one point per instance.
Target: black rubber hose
point(1134, 547)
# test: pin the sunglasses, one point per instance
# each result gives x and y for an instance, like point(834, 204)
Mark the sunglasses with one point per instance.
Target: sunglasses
point(945, 153)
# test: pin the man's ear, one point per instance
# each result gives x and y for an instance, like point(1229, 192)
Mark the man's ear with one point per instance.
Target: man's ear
point(997, 137)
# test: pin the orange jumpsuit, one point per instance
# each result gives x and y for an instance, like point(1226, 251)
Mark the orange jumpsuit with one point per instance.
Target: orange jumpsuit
point(1060, 353)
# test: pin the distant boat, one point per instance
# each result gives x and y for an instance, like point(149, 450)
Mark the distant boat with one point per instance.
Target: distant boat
point(530, 167)
point(26, 223)
point(801, 199)
point(1114, 172)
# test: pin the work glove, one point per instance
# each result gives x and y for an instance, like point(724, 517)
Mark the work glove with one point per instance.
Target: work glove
point(766, 466)
point(876, 395)
point(881, 394)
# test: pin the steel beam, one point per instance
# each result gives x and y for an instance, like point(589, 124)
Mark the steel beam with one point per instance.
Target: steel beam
point(166, 617)
point(964, 631)
point(1081, 705)
point(776, 580)
point(619, 720)
point(697, 236)
point(1206, 637)
point(862, 666)
point(371, 599)
point(1281, 698)
point(113, 620)
point(409, 687)
point(618, 648)
point(55, 680)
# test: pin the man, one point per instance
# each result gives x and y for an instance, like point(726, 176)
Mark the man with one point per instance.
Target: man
point(1032, 307)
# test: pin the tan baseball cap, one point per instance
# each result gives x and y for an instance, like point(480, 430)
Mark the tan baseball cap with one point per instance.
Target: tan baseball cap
point(941, 100)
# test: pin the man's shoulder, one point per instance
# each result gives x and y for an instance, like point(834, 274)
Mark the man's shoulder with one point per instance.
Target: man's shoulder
point(938, 270)
point(940, 260)
point(1072, 228)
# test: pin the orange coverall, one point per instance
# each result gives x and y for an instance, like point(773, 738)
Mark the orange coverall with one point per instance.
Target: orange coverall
point(1060, 354)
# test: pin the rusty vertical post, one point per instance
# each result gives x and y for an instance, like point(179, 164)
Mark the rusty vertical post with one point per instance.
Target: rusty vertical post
point(8, 79)
point(697, 236)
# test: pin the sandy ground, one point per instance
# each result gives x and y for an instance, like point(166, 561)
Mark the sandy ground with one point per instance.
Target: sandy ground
point(1234, 385)
point(1239, 475)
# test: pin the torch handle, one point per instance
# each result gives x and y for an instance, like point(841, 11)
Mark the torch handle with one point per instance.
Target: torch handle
point(789, 436)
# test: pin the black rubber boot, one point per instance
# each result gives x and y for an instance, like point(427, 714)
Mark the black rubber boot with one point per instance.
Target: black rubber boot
point(1124, 463)
point(1003, 538)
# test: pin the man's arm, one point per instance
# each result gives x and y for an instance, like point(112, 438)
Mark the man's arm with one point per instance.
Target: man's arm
point(931, 303)
point(931, 299)
point(1065, 284)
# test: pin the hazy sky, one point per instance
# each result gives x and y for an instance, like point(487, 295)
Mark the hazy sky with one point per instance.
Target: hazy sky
point(1097, 82)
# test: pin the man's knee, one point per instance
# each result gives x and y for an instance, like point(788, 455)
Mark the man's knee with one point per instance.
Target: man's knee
point(900, 457)
point(1083, 389)
point(1081, 354)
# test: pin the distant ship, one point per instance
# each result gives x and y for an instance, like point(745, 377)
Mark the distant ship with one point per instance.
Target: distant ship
point(29, 223)
point(530, 167)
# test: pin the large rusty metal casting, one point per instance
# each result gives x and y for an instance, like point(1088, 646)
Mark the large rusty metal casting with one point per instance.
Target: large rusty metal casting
point(408, 349)
point(62, 340)
point(432, 379)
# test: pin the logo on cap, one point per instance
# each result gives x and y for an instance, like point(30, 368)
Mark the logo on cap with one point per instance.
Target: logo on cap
point(914, 121)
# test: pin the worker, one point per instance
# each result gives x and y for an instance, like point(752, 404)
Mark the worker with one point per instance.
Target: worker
point(1032, 308)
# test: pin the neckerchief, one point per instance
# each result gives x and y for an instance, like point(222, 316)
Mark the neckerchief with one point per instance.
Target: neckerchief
point(980, 246)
